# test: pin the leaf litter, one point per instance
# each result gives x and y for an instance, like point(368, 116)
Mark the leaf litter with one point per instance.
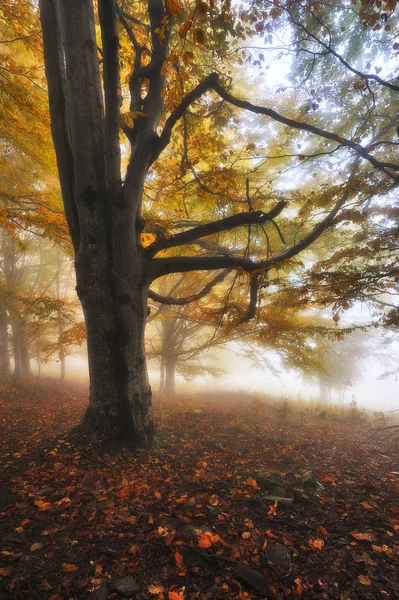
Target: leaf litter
point(193, 518)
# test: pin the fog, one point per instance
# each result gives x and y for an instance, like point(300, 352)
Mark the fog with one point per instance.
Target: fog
point(369, 391)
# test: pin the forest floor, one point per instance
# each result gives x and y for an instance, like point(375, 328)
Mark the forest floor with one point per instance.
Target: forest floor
point(224, 507)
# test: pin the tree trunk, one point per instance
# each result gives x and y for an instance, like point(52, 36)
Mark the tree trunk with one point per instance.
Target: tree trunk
point(4, 355)
point(103, 215)
point(16, 348)
point(20, 347)
point(120, 395)
point(170, 373)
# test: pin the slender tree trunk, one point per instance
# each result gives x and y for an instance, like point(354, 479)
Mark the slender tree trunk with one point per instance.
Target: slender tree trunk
point(24, 349)
point(162, 375)
point(16, 347)
point(4, 354)
point(61, 352)
point(170, 375)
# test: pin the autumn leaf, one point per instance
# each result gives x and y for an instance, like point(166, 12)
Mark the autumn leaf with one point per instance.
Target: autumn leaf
point(36, 546)
point(252, 482)
point(41, 505)
point(383, 548)
point(316, 544)
point(69, 567)
point(246, 535)
point(364, 579)
point(179, 560)
point(5, 571)
point(204, 541)
point(175, 596)
point(155, 589)
point(366, 537)
point(323, 530)
point(366, 505)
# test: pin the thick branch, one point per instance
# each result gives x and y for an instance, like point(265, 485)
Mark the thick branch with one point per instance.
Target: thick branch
point(183, 264)
point(193, 298)
point(55, 72)
point(190, 236)
point(112, 90)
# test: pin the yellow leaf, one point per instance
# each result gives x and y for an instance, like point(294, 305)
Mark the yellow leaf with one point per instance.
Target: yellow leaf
point(383, 548)
point(364, 579)
point(246, 535)
point(36, 546)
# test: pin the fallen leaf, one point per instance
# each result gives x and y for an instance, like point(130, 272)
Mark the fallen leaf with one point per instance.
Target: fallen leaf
point(383, 548)
point(36, 546)
point(155, 589)
point(323, 530)
point(246, 535)
point(179, 560)
point(175, 596)
point(204, 541)
point(365, 537)
point(69, 567)
point(364, 579)
point(5, 571)
point(157, 495)
point(316, 544)
point(366, 505)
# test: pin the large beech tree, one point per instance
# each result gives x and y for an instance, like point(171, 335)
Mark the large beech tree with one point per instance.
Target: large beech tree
point(163, 44)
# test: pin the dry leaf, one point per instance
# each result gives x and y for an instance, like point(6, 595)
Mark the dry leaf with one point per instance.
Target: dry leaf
point(179, 560)
point(204, 541)
point(316, 544)
point(364, 579)
point(175, 596)
point(366, 505)
point(155, 589)
point(246, 535)
point(365, 537)
point(383, 548)
point(36, 546)
point(69, 567)
point(323, 530)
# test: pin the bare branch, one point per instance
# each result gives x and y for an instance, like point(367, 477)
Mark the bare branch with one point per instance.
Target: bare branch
point(55, 72)
point(188, 237)
point(212, 82)
point(330, 50)
point(193, 298)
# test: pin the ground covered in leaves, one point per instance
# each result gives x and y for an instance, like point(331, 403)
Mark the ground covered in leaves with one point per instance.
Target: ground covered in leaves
point(239, 499)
